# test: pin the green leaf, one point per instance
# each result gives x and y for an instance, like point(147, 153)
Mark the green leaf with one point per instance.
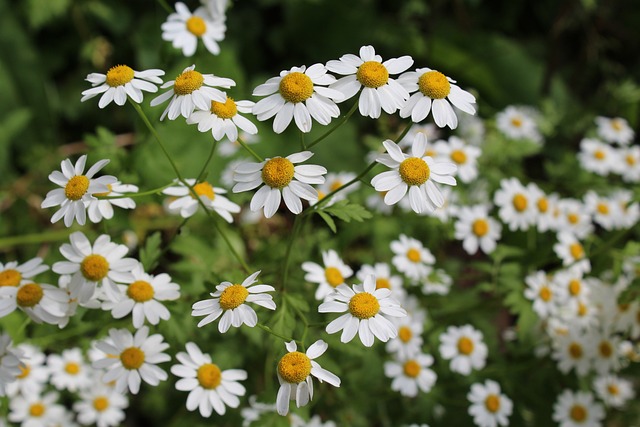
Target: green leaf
point(347, 211)
point(150, 253)
point(43, 11)
point(330, 222)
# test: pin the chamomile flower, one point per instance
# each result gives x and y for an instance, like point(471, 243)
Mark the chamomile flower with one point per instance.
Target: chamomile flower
point(430, 130)
point(298, 94)
point(463, 155)
point(136, 359)
point(545, 206)
point(103, 208)
point(69, 370)
point(121, 82)
point(518, 123)
point(334, 182)
point(411, 258)
point(14, 274)
point(629, 165)
point(435, 93)
point(33, 410)
point(571, 281)
point(615, 130)
point(596, 156)
point(414, 174)
point(575, 218)
point(77, 190)
point(570, 250)
point(223, 119)
point(471, 129)
point(464, 347)
point(384, 278)
point(437, 282)
point(333, 274)
point(411, 374)
point(183, 29)
point(101, 405)
point(409, 339)
point(489, 407)
point(40, 301)
point(545, 294)
point(517, 209)
point(367, 308)
point(190, 90)
point(577, 409)
point(212, 197)
point(34, 373)
point(573, 350)
point(605, 211)
point(477, 229)
point(101, 264)
point(294, 374)
point(613, 391)
point(210, 388)
point(630, 209)
point(282, 179)
point(10, 364)
point(606, 356)
point(229, 301)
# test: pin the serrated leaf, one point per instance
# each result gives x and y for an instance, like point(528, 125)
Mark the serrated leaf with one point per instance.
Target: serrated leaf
point(347, 211)
point(150, 252)
point(327, 218)
point(297, 301)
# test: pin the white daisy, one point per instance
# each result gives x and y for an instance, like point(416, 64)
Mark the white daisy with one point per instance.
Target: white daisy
point(570, 250)
point(367, 71)
point(519, 123)
point(596, 156)
point(136, 359)
point(606, 356)
point(209, 387)
point(333, 274)
point(575, 218)
point(629, 165)
point(463, 155)
point(615, 130)
point(101, 405)
point(471, 129)
point(517, 208)
point(334, 182)
point(222, 119)
point(412, 258)
point(384, 279)
point(464, 347)
point(367, 308)
point(40, 301)
point(411, 374)
point(477, 229)
point(121, 82)
point(255, 411)
point(281, 179)
point(630, 209)
point(14, 274)
point(605, 211)
point(34, 374)
point(573, 350)
point(437, 282)
point(613, 391)
point(430, 130)
point(545, 206)
point(489, 407)
point(183, 29)
point(77, 190)
point(10, 365)
point(103, 208)
point(69, 371)
point(210, 196)
point(33, 410)
point(191, 89)
point(572, 284)
point(409, 340)
point(577, 409)
point(229, 301)
point(294, 374)
point(546, 294)
point(434, 92)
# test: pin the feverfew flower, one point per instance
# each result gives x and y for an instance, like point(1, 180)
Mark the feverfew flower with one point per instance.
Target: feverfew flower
point(517, 208)
point(573, 350)
point(333, 274)
point(412, 258)
point(613, 391)
point(40, 301)
point(69, 371)
point(411, 374)
point(223, 119)
point(183, 29)
point(546, 207)
point(629, 163)
point(574, 218)
point(463, 155)
point(577, 409)
point(33, 372)
point(605, 211)
point(10, 365)
point(334, 182)
point(33, 410)
point(382, 272)
point(465, 348)
point(103, 208)
point(121, 82)
point(282, 180)
point(101, 405)
point(545, 294)
point(229, 302)
point(212, 197)
point(489, 407)
point(477, 229)
point(409, 340)
point(615, 130)
point(77, 190)
point(571, 251)
point(596, 156)
point(294, 374)
point(14, 274)
point(518, 123)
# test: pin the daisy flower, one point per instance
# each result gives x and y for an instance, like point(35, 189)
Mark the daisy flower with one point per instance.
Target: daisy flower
point(103, 208)
point(334, 182)
point(415, 174)
point(604, 210)
point(577, 409)
point(294, 374)
point(102, 263)
point(546, 205)
point(34, 374)
point(518, 123)
point(282, 180)
point(517, 208)
point(463, 155)
point(222, 119)
point(575, 218)
point(431, 131)
point(434, 92)
point(367, 71)
point(545, 294)
point(489, 407)
point(382, 272)
point(229, 301)
point(630, 209)
point(255, 411)
point(101, 405)
point(32, 410)
point(191, 89)
point(40, 301)
point(136, 359)
point(77, 190)
point(209, 387)
point(629, 167)
point(299, 94)
point(14, 274)
point(210, 196)
point(121, 82)
point(606, 357)
point(376, 203)
point(464, 347)
point(613, 391)
point(477, 229)
point(437, 282)
point(333, 274)
point(411, 375)
point(69, 371)
point(570, 250)
point(183, 29)
point(10, 365)
point(596, 156)
point(409, 340)
point(411, 258)
point(367, 310)
point(573, 350)
point(471, 129)
point(614, 130)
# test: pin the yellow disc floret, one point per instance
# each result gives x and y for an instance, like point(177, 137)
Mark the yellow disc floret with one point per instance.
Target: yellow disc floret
point(520, 202)
point(76, 187)
point(196, 26)
point(605, 349)
point(25, 370)
point(434, 84)
point(603, 209)
point(411, 368)
point(492, 403)
point(405, 334)
point(29, 295)
point(413, 254)
point(613, 389)
point(516, 122)
point(10, 277)
point(545, 293)
point(119, 75)
point(132, 358)
point(382, 283)
point(100, 403)
point(363, 305)
point(480, 227)
point(140, 291)
point(576, 251)
point(543, 204)
point(277, 172)
point(294, 367)
point(575, 350)
point(72, 368)
point(459, 156)
point(36, 409)
point(233, 296)
point(296, 87)
point(578, 413)
point(574, 287)
point(94, 267)
point(599, 154)
point(106, 193)
point(414, 171)
point(188, 82)
point(372, 74)
point(224, 110)
point(333, 276)
point(204, 189)
point(209, 376)
point(465, 346)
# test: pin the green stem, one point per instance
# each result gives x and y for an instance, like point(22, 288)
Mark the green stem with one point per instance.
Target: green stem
point(204, 167)
point(332, 193)
point(246, 147)
point(275, 334)
point(27, 239)
point(222, 234)
point(165, 6)
point(404, 133)
point(336, 126)
point(133, 195)
point(287, 256)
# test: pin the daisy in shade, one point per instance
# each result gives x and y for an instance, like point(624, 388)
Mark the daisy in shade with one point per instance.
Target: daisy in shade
point(412, 374)
point(32, 410)
point(596, 156)
point(333, 274)
point(40, 301)
point(570, 250)
point(464, 156)
point(77, 190)
point(630, 209)
point(334, 182)
point(577, 409)
point(121, 82)
point(101, 405)
point(101, 264)
point(613, 391)
point(103, 208)
point(573, 350)
point(545, 205)
point(299, 94)
point(431, 131)
point(10, 364)
point(367, 71)
point(546, 294)
point(435, 93)
point(384, 279)
point(437, 282)
point(414, 174)
point(464, 347)
point(411, 258)
point(229, 301)
point(223, 119)
point(477, 229)
point(191, 90)
point(519, 123)
point(69, 371)
point(183, 29)
point(517, 208)
point(614, 130)
point(367, 310)
point(294, 374)
point(629, 167)
point(212, 197)
point(210, 389)
point(282, 179)
point(604, 210)
point(409, 339)
point(14, 274)
point(34, 373)
point(136, 359)
point(575, 218)
point(606, 356)
point(489, 407)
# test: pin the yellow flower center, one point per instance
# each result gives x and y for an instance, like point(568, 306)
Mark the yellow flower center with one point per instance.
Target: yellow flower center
point(25, 370)
point(76, 187)
point(411, 368)
point(224, 110)
point(132, 358)
point(516, 122)
point(545, 294)
point(576, 251)
point(405, 334)
point(100, 403)
point(335, 185)
point(188, 82)
point(29, 295)
point(94, 267)
point(583, 309)
point(10, 278)
point(414, 255)
point(430, 152)
point(492, 403)
point(605, 349)
point(480, 227)
point(36, 409)
point(465, 346)
point(119, 75)
point(573, 218)
point(459, 156)
point(603, 209)
point(296, 87)
point(105, 193)
point(543, 204)
point(294, 367)
point(414, 171)
point(616, 124)
point(209, 376)
point(204, 189)
point(574, 287)
point(364, 305)
point(233, 296)
point(72, 368)
point(520, 202)
point(321, 195)
point(140, 291)
point(333, 276)
point(575, 350)
point(623, 307)
point(630, 160)
point(599, 154)
point(196, 26)
point(434, 84)
point(372, 74)
point(383, 283)
point(578, 413)
point(613, 389)
point(277, 172)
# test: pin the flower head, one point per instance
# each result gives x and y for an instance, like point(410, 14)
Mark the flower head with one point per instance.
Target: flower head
point(223, 119)
point(212, 197)
point(577, 409)
point(183, 29)
point(489, 407)
point(121, 82)
point(465, 347)
point(328, 277)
